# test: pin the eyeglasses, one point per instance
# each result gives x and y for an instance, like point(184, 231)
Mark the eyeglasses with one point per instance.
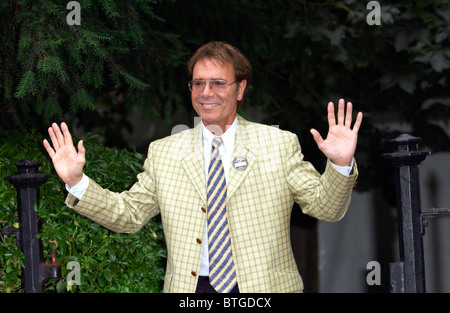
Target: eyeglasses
point(216, 85)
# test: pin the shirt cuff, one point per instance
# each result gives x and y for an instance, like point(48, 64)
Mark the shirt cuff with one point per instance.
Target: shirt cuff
point(79, 189)
point(344, 170)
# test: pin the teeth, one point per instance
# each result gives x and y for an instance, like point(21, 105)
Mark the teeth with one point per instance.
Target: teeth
point(209, 105)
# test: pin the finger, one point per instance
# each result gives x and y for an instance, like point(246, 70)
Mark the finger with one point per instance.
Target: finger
point(81, 149)
point(49, 149)
point(67, 135)
point(59, 136)
point(358, 122)
point(317, 137)
point(348, 114)
point(341, 109)
point(331, 117)
point(52, 135)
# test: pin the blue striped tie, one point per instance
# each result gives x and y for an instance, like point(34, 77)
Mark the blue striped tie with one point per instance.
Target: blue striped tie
point(222, 274)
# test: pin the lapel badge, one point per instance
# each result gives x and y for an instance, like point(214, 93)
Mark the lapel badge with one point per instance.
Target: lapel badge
point(240, 163)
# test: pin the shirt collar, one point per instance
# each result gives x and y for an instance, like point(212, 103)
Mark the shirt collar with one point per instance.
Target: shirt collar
point(227, 137)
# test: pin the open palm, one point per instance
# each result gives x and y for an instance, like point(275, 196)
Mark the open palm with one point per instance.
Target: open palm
point(340, 144)
point(67, 161)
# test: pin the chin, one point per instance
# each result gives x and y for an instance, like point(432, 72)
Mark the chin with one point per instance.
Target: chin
point(208, 116)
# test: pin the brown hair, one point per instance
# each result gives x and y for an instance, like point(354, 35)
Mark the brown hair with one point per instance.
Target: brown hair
point(225, 53)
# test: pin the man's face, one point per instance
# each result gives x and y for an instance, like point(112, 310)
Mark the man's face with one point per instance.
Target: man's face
point(216, 107)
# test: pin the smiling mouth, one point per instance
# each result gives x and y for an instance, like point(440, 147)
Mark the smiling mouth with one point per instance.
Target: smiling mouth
point(209, 105)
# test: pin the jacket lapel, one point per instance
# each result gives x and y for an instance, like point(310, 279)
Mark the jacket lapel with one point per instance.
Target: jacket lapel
point(194, 166)
point(193, 162)
point(242, 148)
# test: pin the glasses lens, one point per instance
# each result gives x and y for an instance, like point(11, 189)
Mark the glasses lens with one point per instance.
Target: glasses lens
point(216, 85)
point(197, 85)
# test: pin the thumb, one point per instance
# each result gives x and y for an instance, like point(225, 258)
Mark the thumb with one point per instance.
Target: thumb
point(317, 137)
point(81, 149)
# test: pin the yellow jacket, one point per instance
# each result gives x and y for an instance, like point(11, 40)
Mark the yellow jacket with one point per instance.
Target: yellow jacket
point(259, 203)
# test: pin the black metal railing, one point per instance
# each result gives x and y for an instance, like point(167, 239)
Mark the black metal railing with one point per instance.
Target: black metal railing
point(27, 182)
point(408, 275)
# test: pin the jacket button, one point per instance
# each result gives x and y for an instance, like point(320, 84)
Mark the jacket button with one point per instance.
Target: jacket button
point(193, 273)
point(204, 209)
point(199, 241)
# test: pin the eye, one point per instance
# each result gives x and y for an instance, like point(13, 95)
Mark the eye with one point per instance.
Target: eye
point(198, 83)
point(219, 83)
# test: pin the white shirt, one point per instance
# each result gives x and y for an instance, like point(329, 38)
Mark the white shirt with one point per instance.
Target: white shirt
point(226, 153)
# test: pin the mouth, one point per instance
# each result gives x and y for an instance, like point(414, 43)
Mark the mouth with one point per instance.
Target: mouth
point(209, 105)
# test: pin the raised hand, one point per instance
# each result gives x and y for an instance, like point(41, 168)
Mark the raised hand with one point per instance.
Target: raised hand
point(340, 144)
point(67, 161)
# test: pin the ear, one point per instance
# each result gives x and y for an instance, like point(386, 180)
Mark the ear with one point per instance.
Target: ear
point(241, 89)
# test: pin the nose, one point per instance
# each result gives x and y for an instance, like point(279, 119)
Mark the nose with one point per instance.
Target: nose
point(207, 91)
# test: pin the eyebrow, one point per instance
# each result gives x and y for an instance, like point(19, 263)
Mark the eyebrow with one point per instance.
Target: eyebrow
point(209, 79)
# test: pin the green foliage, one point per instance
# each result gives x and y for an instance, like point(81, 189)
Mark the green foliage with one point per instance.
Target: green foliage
point(46, 73)
point(110, 262)
point(81, 100)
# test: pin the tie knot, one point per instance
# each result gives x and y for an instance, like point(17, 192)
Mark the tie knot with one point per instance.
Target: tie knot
point(217, 141)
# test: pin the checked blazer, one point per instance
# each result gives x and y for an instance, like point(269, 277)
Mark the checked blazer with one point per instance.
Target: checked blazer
point(260, 198)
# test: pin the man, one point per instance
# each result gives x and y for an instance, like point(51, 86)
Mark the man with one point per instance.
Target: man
point(224, 189)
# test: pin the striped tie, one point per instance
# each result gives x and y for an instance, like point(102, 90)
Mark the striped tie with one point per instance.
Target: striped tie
point(222, 274)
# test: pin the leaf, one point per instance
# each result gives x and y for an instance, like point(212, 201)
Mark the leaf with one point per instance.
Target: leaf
point(439, 62)
point(441, 36)
point(53, 65)
point(402, 40)
point(82, 99)
point(407, 83)
point(109, 7)
point(93, 41)
point(387, 81)
point(24, 43)
point(134, 82)
point(433, 101)
point(48, 108)
point(27, 85)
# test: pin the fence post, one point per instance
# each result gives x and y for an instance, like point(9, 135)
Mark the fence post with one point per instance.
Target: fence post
point(408, 275)
point(27, 182)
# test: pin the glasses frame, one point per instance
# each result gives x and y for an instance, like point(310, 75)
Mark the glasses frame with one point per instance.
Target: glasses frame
point(209, 81)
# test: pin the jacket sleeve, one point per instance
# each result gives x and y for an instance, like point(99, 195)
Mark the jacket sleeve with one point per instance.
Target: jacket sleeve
point(124, 212)
point(325, 197)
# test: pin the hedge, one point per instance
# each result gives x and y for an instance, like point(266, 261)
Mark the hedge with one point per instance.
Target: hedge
point(109, 262)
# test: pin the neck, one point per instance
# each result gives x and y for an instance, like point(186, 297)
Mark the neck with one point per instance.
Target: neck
point(219, 128)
